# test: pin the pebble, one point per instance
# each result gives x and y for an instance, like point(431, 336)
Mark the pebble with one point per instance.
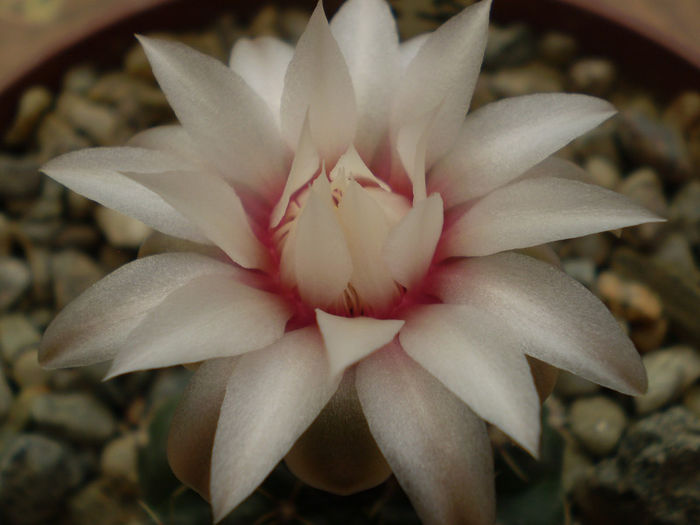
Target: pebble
point(594, 76)
point(101, 502)
point(5, 395)
point(644, 186)
point(601, 140)
point(649, 141)
point(581, 269)
point(40, 266)
point(119, 458)
point(80, 79)
point(49, 205)
point(33, 103)
point(19, 177)
point(98, 122)
point(603, 171)
point(675, 252)
point(575, 468)
point(121, 230)
point(691, 400)
point(670, 372)
point(15, 279)
point(628, 299)
point(684, 112)
point(595, 247)
point(524, 80)
point(513, 45)
point(684, 212)
point(27, 372)
point(598, 423)
point(56, 136)
point(80, 236)
point(571, 385)
point(17, 334)
point(78, 417)
point(558, 49)
point(73, 272)
point(36, 475)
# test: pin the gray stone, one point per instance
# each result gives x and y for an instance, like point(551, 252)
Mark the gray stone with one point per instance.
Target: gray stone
point(26, 370)
point(691, 400)
point(601, 140)
point(17, 334)
point(73, 272)
point(119, 458)
point(49, 205)
point(676, 254)
point(598, 423)
point(98, 122)
point(653, 480)
point(525, 80)
point(684, 111)
point(36, 474)
point(33, 103)
point(15, 279)
point(56, 136)
point(19, 177)
point(670, 372)
point(121, 230)
point(595, 76)
point(557, 48)
point(5, 395)
point(576, 467)
point(582, 269)
point(78, 417)
point(509, 46)
point(684, 212)
point(603, 171)
point(571, 385)
point(80, 79)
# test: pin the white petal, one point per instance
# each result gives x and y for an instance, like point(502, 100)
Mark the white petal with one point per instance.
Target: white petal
point(438, 449)
point(409, 49)
point(558, 320)
point(366, 34)
point(211, 316)
point(94, 327)
point(366, 229)
point(98, 174)
point(536, 211)
point(272, 396)
point(305, 165)
point(410, 246)
point(210, 203)
point(226, 119)
point(502, 140)
point(467, 350)
point(318, 81)
point(411, 145)
point(322, 261)
point(444, 74)
point(351, 165)
point(556, 167)
point(171, 139)
point(191, 436)
point(350, 339)
point(262, 63)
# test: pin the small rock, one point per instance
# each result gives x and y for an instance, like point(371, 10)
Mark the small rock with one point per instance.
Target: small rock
point(80, 236)
point(627, 299)
point(36, 474)
point(119, 458)
point(644, 186)
point(80, 79)
point(524, 80)
point(5, 396)
point(19, 177)
point(653, 480)
point(17, 334)
point(675, 252)
point(26, 370)
point(601, 140)
point(509, 46)
point(73, 272)
point(98, 122)
point(581, 269)
point(100, 502)
point(575, 468)
point(648, 336)
point(603, 171)
point(49, 206)
point(292, 23)
point(558, 49)
point(595, 247)
point(121, 230)
point(56, 136)
point(684, 112)
point(19, 416)
point(15, 279)
point(40, 265)
point(670, 372)
point(571, 385)
point(595, 76)
point(78, 417)
point(650, 141)
point(691, 400)
point(598, 423)
point(32, 105)
point(684, 212)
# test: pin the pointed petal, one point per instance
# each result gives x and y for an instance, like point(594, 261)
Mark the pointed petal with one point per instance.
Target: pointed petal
point(468, 351)
point(410, 246)
point(272, 396)
point(322, 261)
point(191, 436)
point(350, 164)
point(411, 145)
point(366, 34)
point(98, 174)
point(95, 326)
point(171, 139)
point(210, 203)
point(366, 228)
point(444, 74)
point(211, 316)
point(318, 81)
point(560, 168)
point(438, 449)
point(558, 320)
point(305, 165)
point(226, 119)
point(337, 453)
point(409, 49)
point(502, 140)
point(536, 211)
point(350, 339)
point(262, 63)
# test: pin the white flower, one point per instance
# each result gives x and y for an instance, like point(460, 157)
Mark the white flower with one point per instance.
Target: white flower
point(364, 232)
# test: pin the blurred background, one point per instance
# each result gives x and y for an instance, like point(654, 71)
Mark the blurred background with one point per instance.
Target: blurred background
point(76, 450)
